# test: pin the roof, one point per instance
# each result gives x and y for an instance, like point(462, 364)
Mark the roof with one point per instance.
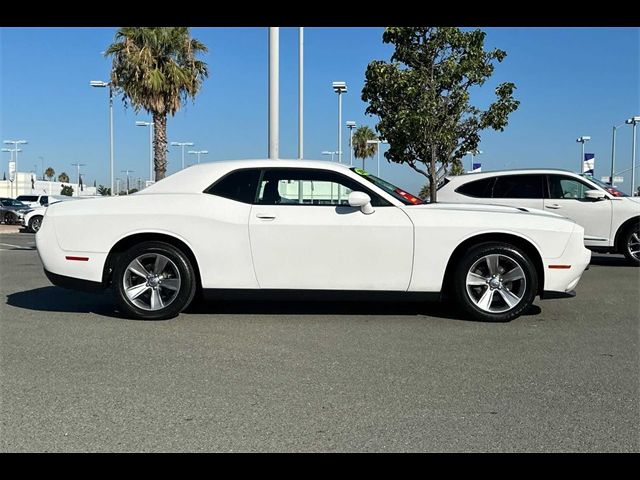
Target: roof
point(477, 175)
point(198, 177)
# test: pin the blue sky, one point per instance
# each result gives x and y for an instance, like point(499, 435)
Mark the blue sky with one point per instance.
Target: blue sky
point(570, 81)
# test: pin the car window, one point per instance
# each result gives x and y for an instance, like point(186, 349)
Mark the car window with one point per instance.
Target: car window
point(10, 202)
point(239, 185)
point(561, 187)
point(310, 187)
point(44, 200)
point(477, 188)
point(27, 198)
point(519, 186)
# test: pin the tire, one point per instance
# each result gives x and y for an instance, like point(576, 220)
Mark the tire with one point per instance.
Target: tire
point(630, 244)
point(10, 218)
point(154, 281)
point(485, 292)
point(35, 222)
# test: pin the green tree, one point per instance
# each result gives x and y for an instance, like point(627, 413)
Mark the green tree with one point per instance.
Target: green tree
point(102, 190)
point(422, 96)
point(156, 69)
point(63, 177)
point(49, 173)
point(67, 190)
point(362, 149)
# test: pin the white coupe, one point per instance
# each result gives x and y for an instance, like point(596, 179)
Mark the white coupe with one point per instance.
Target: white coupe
point(292, 227)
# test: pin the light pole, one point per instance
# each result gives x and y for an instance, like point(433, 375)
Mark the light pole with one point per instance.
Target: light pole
point(584, 139)
point(633, 121)
point(473, 154)
point(182, 144)
point(377, 143)
point(127, 172)
point(118, 182)
point(198, 153)
point(613, 152)
point(78, 165)
point(15, 144)
point(329, 153)
point(101, 84)
point(150, 125)
point(274, 91)
point(351, 125)
point(339, 88)
point(300, 95)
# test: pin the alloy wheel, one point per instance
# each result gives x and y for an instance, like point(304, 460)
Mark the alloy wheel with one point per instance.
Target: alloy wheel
point(496, 283)
point(151, 281)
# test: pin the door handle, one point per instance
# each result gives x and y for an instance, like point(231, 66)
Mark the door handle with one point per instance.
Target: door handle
point(265, 216)
point(554, 206)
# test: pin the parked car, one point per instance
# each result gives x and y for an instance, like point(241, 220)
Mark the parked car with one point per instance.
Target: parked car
point(33, 219)
point(11, 211)
point(292, 227)
point(33, 200)
point(610, 218)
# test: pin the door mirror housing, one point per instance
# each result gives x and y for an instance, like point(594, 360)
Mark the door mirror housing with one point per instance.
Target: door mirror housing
point(595, 194)
point(362, 201)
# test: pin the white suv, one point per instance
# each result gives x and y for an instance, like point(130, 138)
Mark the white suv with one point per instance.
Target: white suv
point(611, 219)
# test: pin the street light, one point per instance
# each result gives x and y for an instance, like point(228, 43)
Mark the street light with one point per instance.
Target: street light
point(198, 153)
point(633, 121)
point(339, 88)
point(351, 125)
point(101, 84)
point(377, 143)
point(584, 139)
point(613, 152)
point(15, 144)
point(182, 144)
point(150, 125)
point(329, 153)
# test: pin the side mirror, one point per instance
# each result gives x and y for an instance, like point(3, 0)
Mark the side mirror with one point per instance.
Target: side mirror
point(362, 201)
point(594, 194)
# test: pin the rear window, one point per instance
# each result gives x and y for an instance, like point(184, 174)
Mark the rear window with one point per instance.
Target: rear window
point(240, 186)
point(518, 186)
point(477, 188)
point(27, 198)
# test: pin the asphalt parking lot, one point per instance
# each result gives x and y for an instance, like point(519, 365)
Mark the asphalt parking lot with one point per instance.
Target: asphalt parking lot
point(75, 376)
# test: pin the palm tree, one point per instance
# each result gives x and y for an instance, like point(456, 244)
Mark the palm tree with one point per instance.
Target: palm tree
point(362, 149)
point(102, 190)
point(156, 69)
point(49, 173)
point(63, 177)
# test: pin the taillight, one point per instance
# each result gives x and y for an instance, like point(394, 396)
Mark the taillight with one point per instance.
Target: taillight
point(413, 199)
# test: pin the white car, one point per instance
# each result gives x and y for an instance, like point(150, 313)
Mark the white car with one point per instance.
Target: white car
point(293, 227)
point(33, 219)
point(611, 219)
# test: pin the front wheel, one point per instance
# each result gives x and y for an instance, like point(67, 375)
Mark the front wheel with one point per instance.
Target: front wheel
point(35, 222)
point(495, 282)
point(154, 281)
point(631, 244)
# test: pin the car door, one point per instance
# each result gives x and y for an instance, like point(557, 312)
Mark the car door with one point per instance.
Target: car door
point(567, 198)
point(523, 190)
point(304, 235)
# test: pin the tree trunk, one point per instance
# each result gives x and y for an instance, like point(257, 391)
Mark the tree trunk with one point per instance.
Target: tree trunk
point(160, 145)
point(433, 181)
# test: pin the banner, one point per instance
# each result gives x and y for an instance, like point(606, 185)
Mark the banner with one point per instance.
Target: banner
point(12, 171)
point(588, 164)
point(477, 167)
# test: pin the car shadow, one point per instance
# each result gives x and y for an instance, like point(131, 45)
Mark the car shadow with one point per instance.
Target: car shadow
point(610, 261)
point(56, 299)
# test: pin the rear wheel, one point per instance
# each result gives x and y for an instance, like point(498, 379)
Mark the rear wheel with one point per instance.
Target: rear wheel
point(631, 244)
point(495, 282)
point(35, 222)
point(10, 218)
point(154, 281)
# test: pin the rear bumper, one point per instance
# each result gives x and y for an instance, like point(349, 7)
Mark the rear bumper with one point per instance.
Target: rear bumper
point(550, 294)
point(73, 283)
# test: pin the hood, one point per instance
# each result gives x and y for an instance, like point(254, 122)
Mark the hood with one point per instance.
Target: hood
point(479, 207)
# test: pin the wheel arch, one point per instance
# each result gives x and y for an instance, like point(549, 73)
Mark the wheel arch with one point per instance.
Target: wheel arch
point(127, 242)
point(525, 245)
point(621, 230)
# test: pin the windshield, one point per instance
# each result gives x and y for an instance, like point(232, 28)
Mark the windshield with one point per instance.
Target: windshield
point(612, 190)
point(397, 193)
point(10, 202)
